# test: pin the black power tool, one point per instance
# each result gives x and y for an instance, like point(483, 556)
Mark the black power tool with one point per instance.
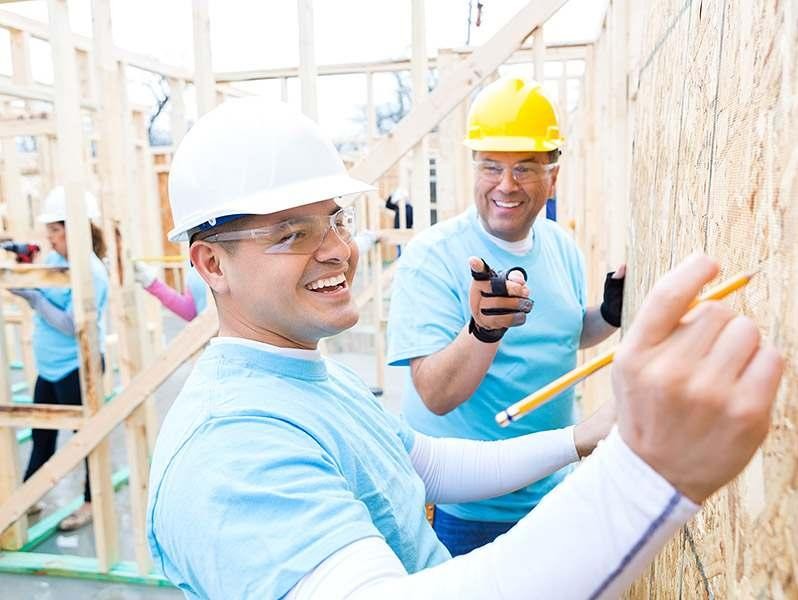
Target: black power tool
point(24, 252)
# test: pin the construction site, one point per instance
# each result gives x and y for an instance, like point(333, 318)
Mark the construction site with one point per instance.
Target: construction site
point(679, 121)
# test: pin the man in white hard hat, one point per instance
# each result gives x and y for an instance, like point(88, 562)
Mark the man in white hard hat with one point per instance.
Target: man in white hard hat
point(278, 475)
point(477, 339)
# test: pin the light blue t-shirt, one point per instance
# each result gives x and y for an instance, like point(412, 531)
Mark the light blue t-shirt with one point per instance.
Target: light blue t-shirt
point(268, 464)
point(429, 308)
point(197, 288)
point(57, 353)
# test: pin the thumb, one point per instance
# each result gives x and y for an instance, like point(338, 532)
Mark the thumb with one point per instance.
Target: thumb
point(620, 272)
point(477, 264)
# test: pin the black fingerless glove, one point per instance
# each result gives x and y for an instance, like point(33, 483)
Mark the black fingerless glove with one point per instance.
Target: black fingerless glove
point(612, 306)
point(498, 288)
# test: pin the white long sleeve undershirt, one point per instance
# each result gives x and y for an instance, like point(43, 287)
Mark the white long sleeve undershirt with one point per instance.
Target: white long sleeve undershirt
point(457, 470)
point(590, 537)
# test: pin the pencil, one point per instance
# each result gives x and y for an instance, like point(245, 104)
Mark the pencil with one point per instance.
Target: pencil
point(522, 407)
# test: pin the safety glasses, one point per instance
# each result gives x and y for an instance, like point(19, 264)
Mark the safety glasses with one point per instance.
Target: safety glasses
point(302, 235)
point(522, 172)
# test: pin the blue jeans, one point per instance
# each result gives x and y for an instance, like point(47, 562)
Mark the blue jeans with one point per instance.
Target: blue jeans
point(461, 536)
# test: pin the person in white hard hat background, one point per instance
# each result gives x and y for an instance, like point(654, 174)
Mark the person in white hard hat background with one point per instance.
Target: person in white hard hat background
point(276, 474)
point(55, 345)
point(473, 345)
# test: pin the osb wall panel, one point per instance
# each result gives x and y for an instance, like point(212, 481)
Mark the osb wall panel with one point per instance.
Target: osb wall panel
point(715, 168)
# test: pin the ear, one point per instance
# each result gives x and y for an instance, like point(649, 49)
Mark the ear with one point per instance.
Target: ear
point(207, 260)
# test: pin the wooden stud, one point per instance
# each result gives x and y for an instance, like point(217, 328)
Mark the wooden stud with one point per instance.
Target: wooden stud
point(25, 276)
point(69, 128)
point(115, 176)
point(539, 51)
point(178, 115)
point(203, 75)
point(307, 60)
point(419, 181)
point(14, 537)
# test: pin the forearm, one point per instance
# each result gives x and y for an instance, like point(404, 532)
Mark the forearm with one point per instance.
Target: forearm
point(457, 470)
point(180, 304)
point(449, 377)
point(60, 319)
point(590, 537)
point(594, 328)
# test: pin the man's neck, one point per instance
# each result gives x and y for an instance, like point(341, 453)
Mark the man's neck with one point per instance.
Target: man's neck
point(237, 328)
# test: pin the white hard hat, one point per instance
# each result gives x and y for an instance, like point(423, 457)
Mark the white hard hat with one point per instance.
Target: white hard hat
point(55, 206)
point(251, 156)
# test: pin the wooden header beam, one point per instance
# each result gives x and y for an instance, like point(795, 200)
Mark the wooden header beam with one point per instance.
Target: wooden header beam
point(32, 126)
point(574, 51)
point(39, 30)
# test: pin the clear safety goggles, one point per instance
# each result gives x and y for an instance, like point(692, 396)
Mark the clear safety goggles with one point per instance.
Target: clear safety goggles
point(522, 172)
point(302, 235)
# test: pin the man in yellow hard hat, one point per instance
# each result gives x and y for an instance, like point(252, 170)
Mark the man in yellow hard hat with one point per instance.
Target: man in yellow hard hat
point(473, 341)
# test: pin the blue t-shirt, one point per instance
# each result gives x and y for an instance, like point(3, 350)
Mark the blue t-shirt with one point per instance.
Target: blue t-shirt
point(267, 464)
point(429, 308)
point(57, 353)
point(197, 288)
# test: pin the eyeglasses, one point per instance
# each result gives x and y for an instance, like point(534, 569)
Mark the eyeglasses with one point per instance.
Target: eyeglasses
point(302, 235)
point(522, 172)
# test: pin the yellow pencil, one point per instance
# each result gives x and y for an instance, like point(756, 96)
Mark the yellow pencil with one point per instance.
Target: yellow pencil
point(531, 402)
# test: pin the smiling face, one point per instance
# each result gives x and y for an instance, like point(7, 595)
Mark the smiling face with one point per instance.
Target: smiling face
point(289, 300)
point(508, 209)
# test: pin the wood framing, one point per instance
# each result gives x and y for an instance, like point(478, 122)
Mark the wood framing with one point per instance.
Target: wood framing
point(27, 276)
point(453, 88)
point(185, 345)
point(571, 51)
point(307, 60)
point(203, 74)
point(42, 416)
point(69, 127)
point(419, 180)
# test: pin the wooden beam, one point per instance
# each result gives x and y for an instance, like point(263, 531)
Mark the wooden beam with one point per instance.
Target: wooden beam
point(177, 118)
point(39, 30)
point(419, 180)
point(571, 51)
point(539, 53)
point(185, 344)
point(42, 416)
point(203, 73)
point(32, 276)
point(34, 126)
point(307, 60)
point(36, 91)
point(13, 535)
point(116, 176)
point(69, 126)
point(454, 88)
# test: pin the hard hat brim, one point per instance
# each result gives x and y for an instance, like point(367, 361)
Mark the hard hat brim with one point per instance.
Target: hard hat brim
point(512, 144)
point(340, 188)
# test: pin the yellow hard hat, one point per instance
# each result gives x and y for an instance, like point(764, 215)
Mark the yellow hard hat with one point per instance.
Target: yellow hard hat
point(513, 115)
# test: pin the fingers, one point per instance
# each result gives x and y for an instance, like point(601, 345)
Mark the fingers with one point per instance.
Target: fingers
point(495, 306)
point(760, 379)
point(620, 272)
point(478, 265)
point(733, 348)
point(501, 321)
point(697, 334)
point(670, 298)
